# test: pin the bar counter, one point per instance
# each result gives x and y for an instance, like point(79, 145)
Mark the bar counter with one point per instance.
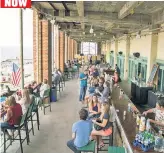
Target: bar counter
point(126, 125)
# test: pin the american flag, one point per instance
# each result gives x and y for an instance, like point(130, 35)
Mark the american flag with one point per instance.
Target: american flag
point(16, 75)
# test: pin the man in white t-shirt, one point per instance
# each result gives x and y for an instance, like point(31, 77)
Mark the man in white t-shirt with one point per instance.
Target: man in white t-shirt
point(44, 87)
point(159, 114)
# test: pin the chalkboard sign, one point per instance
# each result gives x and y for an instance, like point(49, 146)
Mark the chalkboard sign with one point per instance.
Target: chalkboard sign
point(153, 73)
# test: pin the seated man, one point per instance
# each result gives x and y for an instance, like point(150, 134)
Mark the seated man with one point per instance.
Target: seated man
point(44, 87)
point(81, 131)
point(56, 78)
point(159, 114)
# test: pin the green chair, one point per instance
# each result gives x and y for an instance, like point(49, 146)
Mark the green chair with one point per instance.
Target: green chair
point(46, 96)
point(23, 124)
point(29, 116)
point(116, 150)
point(35, 110)
point(90, 147)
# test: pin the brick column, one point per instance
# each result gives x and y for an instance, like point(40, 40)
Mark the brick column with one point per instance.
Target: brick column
point(46, 50)
point(69, 48)
point(61, 50)
point(73, 49)
point(66, 48)
point(43, 61)
point(78, 47)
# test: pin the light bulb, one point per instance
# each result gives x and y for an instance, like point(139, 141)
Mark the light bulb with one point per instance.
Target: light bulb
point(91, 30)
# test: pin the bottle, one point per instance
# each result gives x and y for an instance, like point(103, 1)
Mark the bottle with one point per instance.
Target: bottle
point(142, 123)
point(138, 119)
point(148, 126)
point(158, 142)
point(129, 107)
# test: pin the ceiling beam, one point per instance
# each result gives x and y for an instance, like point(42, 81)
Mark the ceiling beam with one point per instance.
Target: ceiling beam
point(101, 17)
point(67, 2)
point(127, 8)
point(53, 6)
point(158, 17)
point(65, 6)
point(80, 9)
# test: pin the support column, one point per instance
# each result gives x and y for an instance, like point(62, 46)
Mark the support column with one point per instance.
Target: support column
point(153, 53)
point(61, 50)
point(53, 48)
point(42, 49)
point(46, 51)
point(37, 47)
point(126, 65)
point(69, 51)
point(78, 48)
point(73, 49)
point(57, 55)
point(66, 48)
point(115, 52)
point(21, 49)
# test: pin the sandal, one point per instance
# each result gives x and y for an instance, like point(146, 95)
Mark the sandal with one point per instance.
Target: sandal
point(101, 145)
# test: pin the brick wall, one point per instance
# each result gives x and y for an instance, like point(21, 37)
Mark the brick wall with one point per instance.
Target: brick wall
point(43, 61)
point(61, 50)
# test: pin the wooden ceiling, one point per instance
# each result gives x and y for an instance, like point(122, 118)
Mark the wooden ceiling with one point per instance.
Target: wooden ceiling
point(107, 18)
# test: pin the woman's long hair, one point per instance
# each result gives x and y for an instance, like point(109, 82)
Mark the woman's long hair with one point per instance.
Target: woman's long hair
point(11, 101)
point(106, 107)
point(26, 96)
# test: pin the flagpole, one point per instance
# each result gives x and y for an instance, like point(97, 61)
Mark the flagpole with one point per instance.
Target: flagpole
point(21, 48)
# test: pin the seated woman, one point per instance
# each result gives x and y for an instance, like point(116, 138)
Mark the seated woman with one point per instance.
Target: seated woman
point(31, 94)
point(105, 124)
point(94, 81)
point(13, 114)
point(25, 101)
point(106, 92)
point(115, 78)
point(94, 107)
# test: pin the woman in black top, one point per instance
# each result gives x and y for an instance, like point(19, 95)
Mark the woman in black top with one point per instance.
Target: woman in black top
point(105, 124)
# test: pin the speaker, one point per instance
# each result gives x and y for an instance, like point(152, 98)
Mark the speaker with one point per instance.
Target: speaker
point(120, 53)
point(136, 54)
point(81, 54)
point(40, 16)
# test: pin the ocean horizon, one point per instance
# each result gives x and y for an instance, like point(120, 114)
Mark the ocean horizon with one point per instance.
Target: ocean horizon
point(14, 53)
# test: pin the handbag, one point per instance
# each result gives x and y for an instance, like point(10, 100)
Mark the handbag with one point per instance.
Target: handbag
point(97, 127)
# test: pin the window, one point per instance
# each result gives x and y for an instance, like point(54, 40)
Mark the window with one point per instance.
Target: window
point(89, 48)
point(161, 77)
point(137, 68)
point(112, 60)
point(120, 64)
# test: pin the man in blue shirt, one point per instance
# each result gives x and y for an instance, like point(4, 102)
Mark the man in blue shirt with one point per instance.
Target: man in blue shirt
point(81, 131)
point(83, 85)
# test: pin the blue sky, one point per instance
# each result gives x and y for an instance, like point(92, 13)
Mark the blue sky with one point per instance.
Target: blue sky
point(9, 32)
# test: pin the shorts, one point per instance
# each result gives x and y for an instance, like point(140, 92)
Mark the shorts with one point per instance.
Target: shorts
point(107, 132)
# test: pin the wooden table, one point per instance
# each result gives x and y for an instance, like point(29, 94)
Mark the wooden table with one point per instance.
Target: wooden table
point(127, 126)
